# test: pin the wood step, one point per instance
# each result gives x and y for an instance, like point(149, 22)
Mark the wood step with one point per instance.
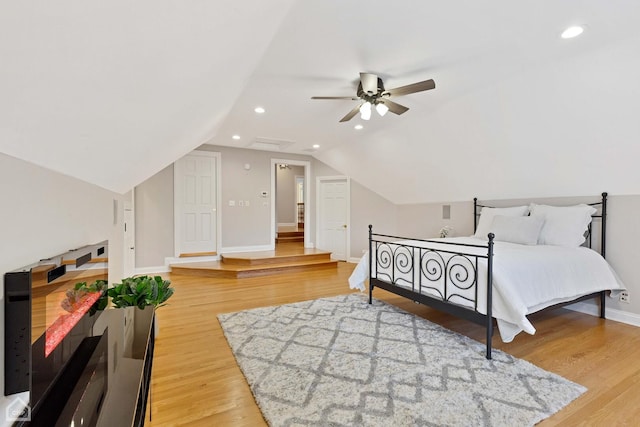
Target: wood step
point(268, 258)
point(230, 271)
point(290, 233)
point(286, 258)
point(293, 239)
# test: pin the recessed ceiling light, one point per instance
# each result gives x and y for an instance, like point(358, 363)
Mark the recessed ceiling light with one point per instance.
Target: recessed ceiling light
point(572, 32)
point(316, 146)
point(358, 127)
point(236, 137)
point(259, 110)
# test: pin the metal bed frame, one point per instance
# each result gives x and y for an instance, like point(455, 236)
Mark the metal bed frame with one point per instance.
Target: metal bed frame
point(408, 270)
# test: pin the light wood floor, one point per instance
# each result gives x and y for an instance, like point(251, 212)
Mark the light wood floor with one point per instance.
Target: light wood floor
point(196, 381)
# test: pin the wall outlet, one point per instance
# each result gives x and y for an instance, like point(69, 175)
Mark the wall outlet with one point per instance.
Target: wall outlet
point(625, 297)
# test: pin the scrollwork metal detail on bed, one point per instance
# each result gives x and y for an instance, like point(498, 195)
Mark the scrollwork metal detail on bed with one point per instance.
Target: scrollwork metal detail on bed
point(456, 278)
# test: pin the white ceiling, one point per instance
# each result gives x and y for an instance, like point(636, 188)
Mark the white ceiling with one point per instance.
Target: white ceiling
point(113, 93)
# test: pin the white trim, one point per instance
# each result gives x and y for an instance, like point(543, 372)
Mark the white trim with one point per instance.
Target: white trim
point(319, 181)
point(307, 198)
point(184, 260)
point(611, 313)
point(152, 270)
point(131, 204)
point(258, 248)
point(354, 260)
point(176, 213)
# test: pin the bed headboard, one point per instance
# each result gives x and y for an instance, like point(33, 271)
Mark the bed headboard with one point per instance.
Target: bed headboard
point(601, 215)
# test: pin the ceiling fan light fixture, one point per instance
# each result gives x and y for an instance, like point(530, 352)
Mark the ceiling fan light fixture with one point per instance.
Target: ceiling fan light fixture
point(372, 93)
point(382, 109)
point(365, 111)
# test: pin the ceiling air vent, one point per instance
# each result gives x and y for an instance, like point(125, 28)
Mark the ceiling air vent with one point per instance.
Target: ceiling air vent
point(269, 144)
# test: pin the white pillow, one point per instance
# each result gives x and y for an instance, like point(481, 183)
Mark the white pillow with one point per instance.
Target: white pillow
point(517, 229)
point(487, 214)
point(563, 225)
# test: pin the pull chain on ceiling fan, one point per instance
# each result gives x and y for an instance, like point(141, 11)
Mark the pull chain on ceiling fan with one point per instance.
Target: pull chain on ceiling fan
point(372, 93)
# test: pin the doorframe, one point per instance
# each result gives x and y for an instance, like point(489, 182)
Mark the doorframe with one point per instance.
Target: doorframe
point(307, 198)
point(347, 180)
point(176, 212)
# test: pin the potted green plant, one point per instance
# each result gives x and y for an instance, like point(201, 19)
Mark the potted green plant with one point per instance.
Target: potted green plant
point(141, 291)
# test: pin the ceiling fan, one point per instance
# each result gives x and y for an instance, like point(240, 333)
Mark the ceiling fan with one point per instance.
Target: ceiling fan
point(372, 93)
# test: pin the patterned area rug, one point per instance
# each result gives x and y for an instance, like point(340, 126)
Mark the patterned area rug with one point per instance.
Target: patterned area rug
point(342, 362)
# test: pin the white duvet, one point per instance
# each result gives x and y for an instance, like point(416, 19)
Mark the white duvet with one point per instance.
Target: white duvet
point(526, 279)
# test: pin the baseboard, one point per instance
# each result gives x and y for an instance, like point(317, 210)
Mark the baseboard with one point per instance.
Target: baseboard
point(232, 249)
point(611, 313)
point(354, 260)
point(151, 270)
point(179, 260)
point(287, 224)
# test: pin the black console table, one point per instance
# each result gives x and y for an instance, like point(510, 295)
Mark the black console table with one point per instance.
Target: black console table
point(131, 337)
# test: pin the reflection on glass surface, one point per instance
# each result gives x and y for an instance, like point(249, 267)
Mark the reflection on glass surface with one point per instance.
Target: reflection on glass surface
point(58, 305)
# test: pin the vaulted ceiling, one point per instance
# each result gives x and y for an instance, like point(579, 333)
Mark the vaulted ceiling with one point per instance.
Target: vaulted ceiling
point(111, 93)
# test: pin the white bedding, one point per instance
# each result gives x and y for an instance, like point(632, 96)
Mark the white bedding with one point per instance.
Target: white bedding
point(526, 279)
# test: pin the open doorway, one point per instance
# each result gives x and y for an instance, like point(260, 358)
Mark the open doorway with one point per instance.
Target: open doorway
point(290, 202)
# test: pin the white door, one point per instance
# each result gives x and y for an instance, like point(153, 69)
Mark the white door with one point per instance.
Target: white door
point(333, 216)
point(195, 198)
point(129, 262)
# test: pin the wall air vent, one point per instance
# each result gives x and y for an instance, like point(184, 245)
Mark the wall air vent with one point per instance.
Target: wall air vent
point(268, 144)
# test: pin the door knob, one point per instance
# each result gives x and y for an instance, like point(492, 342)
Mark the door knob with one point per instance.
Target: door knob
point(344, 226)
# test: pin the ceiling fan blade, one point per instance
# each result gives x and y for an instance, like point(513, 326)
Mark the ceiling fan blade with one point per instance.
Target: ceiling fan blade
point(394, 107)
point(351, 113)
point(353, 98)
point(369, 83)
point(412, 88)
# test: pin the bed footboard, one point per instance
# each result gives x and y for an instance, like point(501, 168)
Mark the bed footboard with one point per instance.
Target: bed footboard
point(451, 277)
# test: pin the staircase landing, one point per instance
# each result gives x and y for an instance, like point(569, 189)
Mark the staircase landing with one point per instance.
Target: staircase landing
point(288, 257)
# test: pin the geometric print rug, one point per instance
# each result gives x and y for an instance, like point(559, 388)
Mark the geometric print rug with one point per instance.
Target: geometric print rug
point(339, 361)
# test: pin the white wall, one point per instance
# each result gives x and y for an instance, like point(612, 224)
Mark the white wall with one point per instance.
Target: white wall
point(43, 214)
point(425, 220)
point(154, 219)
